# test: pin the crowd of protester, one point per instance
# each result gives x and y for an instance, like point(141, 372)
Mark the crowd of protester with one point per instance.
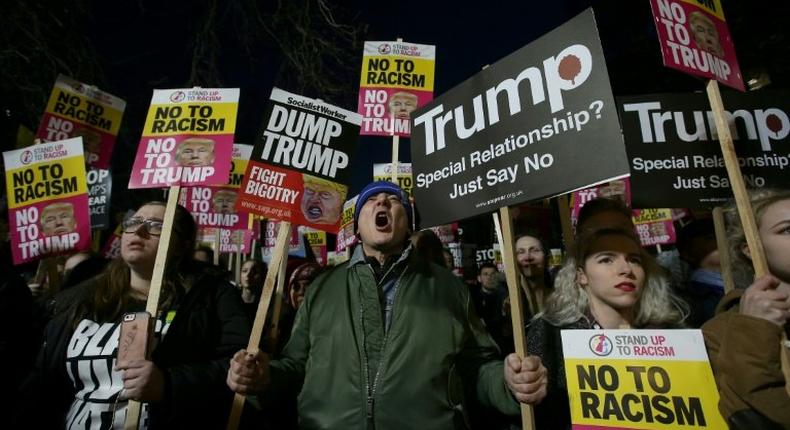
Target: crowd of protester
point(391, 338)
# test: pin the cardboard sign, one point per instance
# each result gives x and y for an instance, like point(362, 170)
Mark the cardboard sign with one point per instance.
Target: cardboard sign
point(214, 207)
point(654, 226)
point(187, 139)
point(619, 190)
point(112, 248)
point(230, 240)
point(301, 163)
point(99, 191)
point(515, 131)
point(640, 379)
point(47, 200)
point(397, 78)
point(446, 233)
point(676, 160)
point(695, 39)
point(383, 172)
point(79, 110)
point(239, 160)
point(346, 238)
point(296, 246)
point(317, 241)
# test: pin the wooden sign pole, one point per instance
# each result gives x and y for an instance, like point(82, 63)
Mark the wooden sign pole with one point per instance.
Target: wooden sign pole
point(217, 241)
point(395, 143)
point(744, 204)
point(53, 276)
point(736, 181)
point(724, 250)
point(516, 306)
point(280, 247)
point(237, 271)
point(274, 326)
point(155, 291)
point(250, 224)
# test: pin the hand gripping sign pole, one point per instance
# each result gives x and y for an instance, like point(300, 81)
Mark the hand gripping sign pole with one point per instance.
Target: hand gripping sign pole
point(505, 236)
point(152, 305)
point(280, 247)
point(743, 203)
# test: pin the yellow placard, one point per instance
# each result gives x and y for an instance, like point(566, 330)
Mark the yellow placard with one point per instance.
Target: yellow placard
point(192, 118)
point(392, 71)
point(638, 394)
point(712, 7)
point(652, 215)
point(46, 181)
point(84, 110)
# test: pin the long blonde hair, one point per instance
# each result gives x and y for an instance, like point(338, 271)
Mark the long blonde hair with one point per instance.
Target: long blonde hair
point(761, 199)
point(657, 305)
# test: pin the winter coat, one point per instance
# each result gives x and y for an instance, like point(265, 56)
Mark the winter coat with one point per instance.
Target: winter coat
point(434, 347)
point(744, 352)
point(207, 325)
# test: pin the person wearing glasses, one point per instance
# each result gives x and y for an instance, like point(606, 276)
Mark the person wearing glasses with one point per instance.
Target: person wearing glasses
point(200, 324)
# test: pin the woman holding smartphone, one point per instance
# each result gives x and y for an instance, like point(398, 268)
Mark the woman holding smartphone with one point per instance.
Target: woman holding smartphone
point(200, 324)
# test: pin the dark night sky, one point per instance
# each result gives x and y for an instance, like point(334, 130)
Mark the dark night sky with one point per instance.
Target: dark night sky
point(145, 45)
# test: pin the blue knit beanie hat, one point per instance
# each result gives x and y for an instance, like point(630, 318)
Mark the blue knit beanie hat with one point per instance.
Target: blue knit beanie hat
point(377, 187)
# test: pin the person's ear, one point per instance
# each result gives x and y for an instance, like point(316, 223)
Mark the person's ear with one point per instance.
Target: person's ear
point(746, 251)
point(581, 277)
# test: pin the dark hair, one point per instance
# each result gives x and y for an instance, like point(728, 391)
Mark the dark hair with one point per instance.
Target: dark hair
point(111, 297)
point(209, 252)
point(305, 272)
point(696, 240)
point(597, 206)
point(548, 280)
point(86, 269)
point(487, 265)
point(261, 268)
point(428, 247)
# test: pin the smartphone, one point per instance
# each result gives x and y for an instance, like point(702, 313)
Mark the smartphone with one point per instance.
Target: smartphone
point(133, 341)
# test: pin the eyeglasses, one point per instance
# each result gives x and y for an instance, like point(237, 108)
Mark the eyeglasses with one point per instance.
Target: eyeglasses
point(152, 226)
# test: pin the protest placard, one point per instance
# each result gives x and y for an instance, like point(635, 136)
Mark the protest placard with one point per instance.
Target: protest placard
point(187, 138)
point(300, 166)
point(397, 78)
point(676, 160)
point(695, 39)
point(618, 190)
point(383, 172)
point(513, 132)
point(317, 241)
point(214, 207)
point(640, 379)
point(345, 235)
point(47, 200)
point(99, 191)
point(79, 110)
point(654, 226)
point(295, 247)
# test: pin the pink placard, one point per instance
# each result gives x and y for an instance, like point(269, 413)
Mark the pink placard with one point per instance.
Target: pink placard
point(49, 228)
point(696, 40)
point(182, 159)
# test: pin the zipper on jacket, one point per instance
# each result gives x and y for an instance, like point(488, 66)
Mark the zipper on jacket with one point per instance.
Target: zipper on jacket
point(371, 390)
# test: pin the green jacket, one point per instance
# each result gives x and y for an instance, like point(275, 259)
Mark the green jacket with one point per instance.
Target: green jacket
point(435, 341)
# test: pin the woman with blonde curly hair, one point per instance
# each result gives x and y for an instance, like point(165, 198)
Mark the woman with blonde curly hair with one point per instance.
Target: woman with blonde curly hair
point(744, 338)
point(607, 282)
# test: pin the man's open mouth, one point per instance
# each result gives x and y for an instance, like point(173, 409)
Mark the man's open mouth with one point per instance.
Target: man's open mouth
point(382, 220)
